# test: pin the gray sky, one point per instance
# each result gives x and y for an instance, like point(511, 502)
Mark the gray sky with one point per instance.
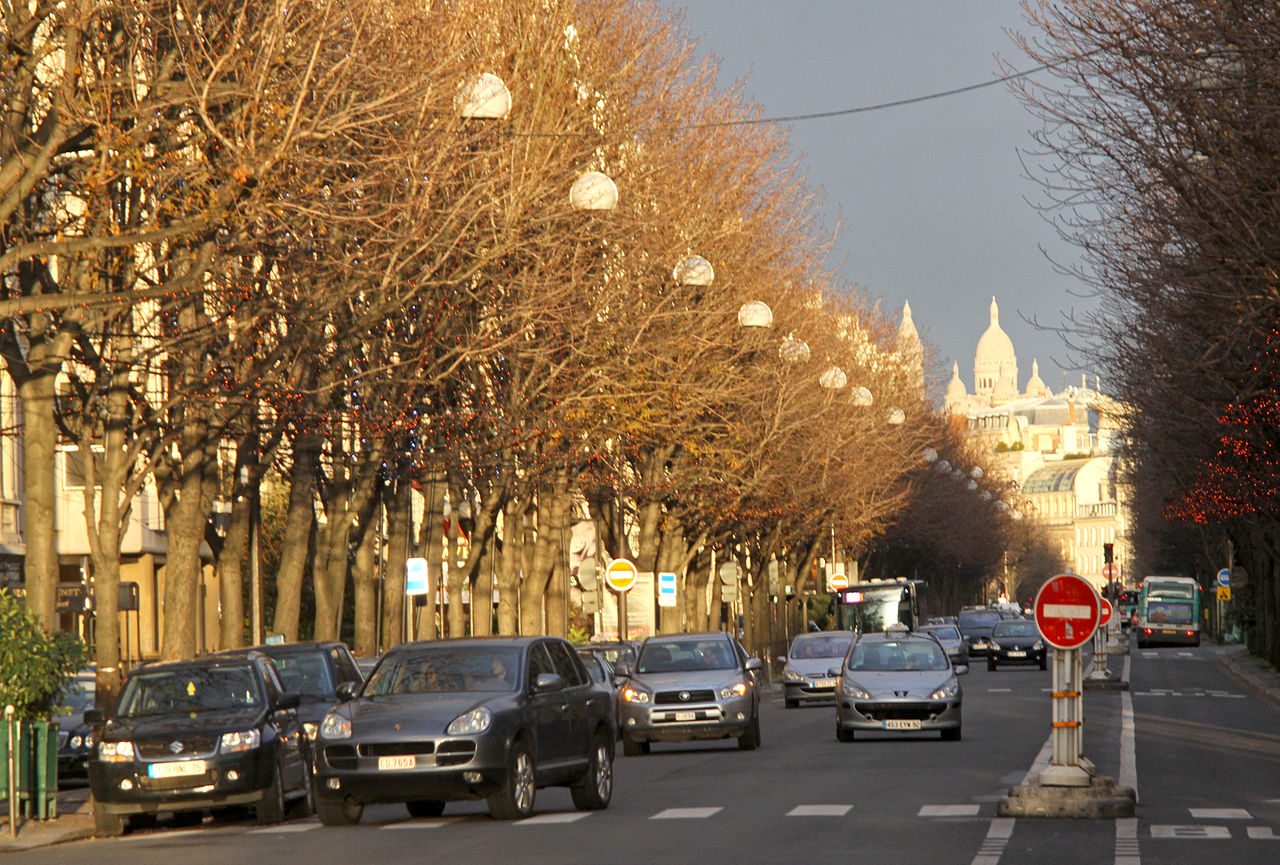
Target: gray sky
point(931, 199)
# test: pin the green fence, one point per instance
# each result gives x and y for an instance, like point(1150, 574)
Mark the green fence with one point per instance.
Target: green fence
point(37, 768)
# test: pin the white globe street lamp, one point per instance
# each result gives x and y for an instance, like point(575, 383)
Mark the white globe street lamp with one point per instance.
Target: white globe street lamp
point(593, 191)
point(755, 313)
point(897, 416)
point(861, 396)
point(694, 270)
point(833, 378)
point(485, 96)
point(793, 350)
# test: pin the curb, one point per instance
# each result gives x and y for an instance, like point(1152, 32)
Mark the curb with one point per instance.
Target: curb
point(1244, 667)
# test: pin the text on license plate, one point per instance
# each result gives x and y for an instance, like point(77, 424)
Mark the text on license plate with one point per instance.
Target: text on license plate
point(824, 683)
point(686, 716)
point(1017, 653)
point(901, 725)
point(1168, 631)
point(402, 761)
point(176, 770)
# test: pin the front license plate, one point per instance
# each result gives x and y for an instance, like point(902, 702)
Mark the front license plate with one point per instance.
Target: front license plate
point(824, 683)
point(1017, 653)
point(406, 761)
point(686, 716)
point(176, 770)
point(902, 725)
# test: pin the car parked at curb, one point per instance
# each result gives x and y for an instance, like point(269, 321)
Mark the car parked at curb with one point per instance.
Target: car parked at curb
point(687, 687)
point(491, 718)
point(1016, 641)
point(75, 736)
point(186, 736)
point(805, 668)
point(898, 682)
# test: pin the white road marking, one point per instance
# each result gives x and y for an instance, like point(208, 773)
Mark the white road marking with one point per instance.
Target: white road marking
point(999, 690)
point(1220, 814)
point(1040, 762)
point(1261, 833)
point(1128, 776)
point(284, 827)
point(819, 810)
point(686, 813)
point(948, 811)
point(1150, 654)
point(1215, 833)
point(1127, 851)
point(548, 819)
point(430, 823)
point(993, 845)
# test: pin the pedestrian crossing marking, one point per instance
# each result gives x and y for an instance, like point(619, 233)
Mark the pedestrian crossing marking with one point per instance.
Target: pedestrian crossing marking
point(282, 828)
point(819, 810)
point(1220, 814)
point(999, 690)
point(948, 811)
point(549, 819)
point(686, 813)
point(430, 823)
point(1208, 832)
point(1261, 833)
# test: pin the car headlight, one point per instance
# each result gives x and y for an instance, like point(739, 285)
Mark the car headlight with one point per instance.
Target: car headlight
point(850, 688)
point(470, 723)
point(311, 729)
point(335, 726)
point(791, 675)
point(1039, 644)
point(946, 691)
point(632, 694)
point(241, 741)
point(993, 644)
point(115, 752)
point(737, 689)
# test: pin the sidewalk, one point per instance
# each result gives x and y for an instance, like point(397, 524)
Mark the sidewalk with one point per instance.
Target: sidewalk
point(1251, 671)
point(74, 821)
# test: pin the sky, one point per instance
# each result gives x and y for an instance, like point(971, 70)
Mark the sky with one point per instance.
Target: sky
point(930, 202)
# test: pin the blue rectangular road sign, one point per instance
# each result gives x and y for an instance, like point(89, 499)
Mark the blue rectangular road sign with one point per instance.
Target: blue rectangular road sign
point(415, 577)
point(666, 590)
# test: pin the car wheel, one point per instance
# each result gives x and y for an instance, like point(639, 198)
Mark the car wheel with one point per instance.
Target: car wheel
point(424, 807)
point(951, 735)
point(515, 800)
point(595, 789)
point(632, 747)
point(105, 823)
point(342, 812)
point(750, 740)
point(188, 818)
point(791, 704)
point(271, 809)
point(842, 734)
point(991, 664)
point(304, 805)
point(1044, 663)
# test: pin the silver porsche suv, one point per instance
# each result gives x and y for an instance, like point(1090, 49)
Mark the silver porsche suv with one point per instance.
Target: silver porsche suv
point(690, 686)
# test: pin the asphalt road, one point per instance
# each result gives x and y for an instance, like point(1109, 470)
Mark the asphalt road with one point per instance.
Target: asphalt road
point(1203, 754)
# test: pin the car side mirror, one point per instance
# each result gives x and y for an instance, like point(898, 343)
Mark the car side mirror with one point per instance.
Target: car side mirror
point(547, 682)
point(622, 670)
point(287, 700)
point(94, 717)
point(346, 691)
point(961, 669)
point(782, 659)
point(754, 664)
point(833, 672)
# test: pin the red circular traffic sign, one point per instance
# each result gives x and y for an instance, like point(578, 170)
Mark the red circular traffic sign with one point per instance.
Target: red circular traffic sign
point(839, 581)
point(1110, 571)
point(1067, 611)
point(620, 575)
point(1105, 612)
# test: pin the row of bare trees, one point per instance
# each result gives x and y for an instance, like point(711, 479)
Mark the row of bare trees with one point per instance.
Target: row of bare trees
point(253, 241)
point(1158, 152)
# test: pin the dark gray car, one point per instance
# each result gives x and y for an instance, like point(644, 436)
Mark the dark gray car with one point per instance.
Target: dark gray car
point(490, 719)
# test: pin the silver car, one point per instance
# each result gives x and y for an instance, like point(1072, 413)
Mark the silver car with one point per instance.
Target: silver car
point(952, 640)
point(805, 672)
point(897, 682)
point(690, 686)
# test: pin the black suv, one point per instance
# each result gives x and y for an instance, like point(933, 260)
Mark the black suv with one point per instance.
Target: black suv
point(313, 671)
point(481, 718)
point(189, 735)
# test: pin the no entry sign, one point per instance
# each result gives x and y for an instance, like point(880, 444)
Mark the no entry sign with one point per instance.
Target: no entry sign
point(1067, 611)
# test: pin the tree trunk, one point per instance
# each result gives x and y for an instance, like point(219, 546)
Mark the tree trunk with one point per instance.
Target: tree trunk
point(297, 535)
point(393, 569)
point(509, 566)
point(456, 615)
point(185, 520)
point(39, 464)
point(364, 576)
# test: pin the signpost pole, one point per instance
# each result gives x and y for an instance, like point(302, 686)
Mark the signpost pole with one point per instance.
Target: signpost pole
point(1068, 611)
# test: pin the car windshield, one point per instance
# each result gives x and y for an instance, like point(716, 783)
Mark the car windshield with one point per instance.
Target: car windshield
point(199, 689)
point(832, 645)
point(304, 673)
point(1015, 629)
point(685, 656)
point(978, 619)
point(944, 632)
point(897, 656)
point(446, 669)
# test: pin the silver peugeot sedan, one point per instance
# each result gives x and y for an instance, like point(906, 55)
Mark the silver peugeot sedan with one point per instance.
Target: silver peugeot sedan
point(804, 674)
point(687, 687)
point(897, 682)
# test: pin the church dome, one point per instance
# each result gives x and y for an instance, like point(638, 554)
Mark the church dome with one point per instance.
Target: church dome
point(1035, 384)
point(956, 394)
point(1006, 389)
point(995, 356)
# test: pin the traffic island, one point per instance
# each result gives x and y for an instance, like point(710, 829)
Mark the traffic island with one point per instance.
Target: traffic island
point(1102, 798)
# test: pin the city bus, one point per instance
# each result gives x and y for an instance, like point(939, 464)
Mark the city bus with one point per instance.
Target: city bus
point(874, 605)
point(1168, 612)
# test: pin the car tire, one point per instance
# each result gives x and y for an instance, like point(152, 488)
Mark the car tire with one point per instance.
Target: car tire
point(633, 748)
point(270, 810)
point(952, 735)
point(750, 740)
point(595, 790)
point(105, 823)
point(514, 801)
point(1044, 663)
point(991, 664)
point(424, 807)
point(305, 805)
point(339, 812)
point(791, 704)
point(843, 735)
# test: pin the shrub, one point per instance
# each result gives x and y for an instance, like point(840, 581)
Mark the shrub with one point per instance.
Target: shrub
point(34, 664)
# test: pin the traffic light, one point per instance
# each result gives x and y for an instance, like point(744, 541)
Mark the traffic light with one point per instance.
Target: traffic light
point(1108, 553)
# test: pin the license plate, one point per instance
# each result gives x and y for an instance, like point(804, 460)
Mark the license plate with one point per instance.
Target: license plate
point(902, 725)
point(176, 770)
point(824, 683)
point(1017, 653)
point(686, 716)
point(1168, 631)
point(405, 761)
